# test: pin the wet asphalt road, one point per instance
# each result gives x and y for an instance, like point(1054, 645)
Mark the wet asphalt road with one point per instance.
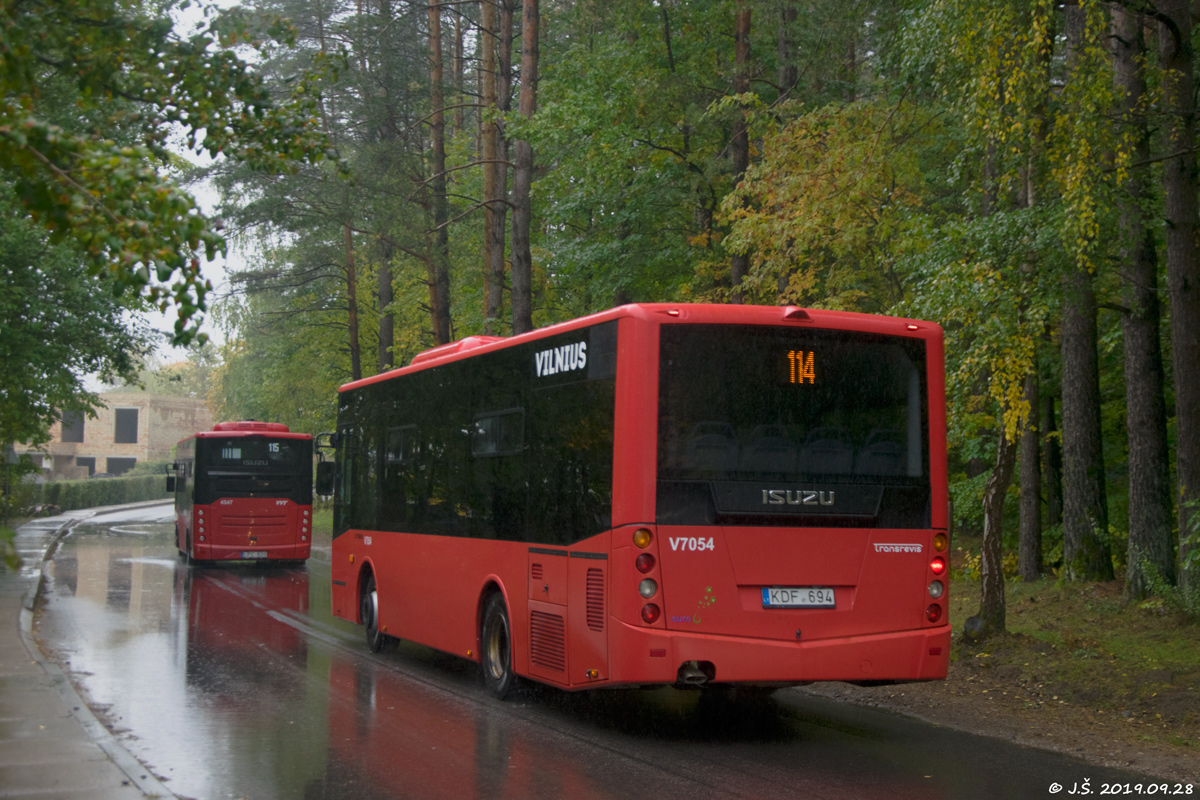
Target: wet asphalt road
point(236, 682)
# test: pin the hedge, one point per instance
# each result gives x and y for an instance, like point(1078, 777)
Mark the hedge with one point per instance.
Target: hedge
point(70, 495)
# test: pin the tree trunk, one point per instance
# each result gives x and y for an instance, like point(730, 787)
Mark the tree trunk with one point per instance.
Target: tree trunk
point(739, 264)
point(666, 27)
point(1146, 415)
point(460, 31)
point(352, 303)
point(849, 76)
point(493, 280)
point(522, 259)
point(785, 48)
point(1029, 545)
point(387, 338)
point(991, 602)
point(440, 313)
point(1029, 548)
point(1085, 505)
point(1051, 458)
point(498, 200)
point(1183, 267)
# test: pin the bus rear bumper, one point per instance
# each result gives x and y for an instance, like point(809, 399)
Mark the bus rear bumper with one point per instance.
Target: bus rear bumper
point(649, 655)
point(288, 552)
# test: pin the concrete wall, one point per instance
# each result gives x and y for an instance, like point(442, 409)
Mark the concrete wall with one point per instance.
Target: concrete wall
point(162, 421)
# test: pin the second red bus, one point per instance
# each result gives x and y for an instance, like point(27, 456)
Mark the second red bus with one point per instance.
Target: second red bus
point(243, 492)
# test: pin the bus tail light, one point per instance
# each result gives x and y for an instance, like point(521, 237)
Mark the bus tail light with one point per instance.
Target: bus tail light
point(936, 589)
point(937, 565)
point(644, 563)
point(933, 613)
point(642, 538)
point(940, 541)
point(650, 613)
point(648, 588)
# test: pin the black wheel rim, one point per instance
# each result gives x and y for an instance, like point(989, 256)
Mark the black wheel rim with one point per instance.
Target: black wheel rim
point(496, 648)
point(370, 613)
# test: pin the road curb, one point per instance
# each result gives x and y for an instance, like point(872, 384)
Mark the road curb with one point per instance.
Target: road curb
point(138, 774)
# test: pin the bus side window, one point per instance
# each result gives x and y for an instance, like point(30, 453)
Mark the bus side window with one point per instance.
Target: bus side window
point(369, 475)
point(571, 448)
point(399, 467)
point(500, 433)
point(344, 493)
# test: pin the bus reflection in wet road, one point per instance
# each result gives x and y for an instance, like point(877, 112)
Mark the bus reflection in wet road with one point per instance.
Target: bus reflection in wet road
point(237, 682)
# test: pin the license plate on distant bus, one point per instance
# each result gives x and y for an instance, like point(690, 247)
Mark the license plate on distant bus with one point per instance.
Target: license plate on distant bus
point(254, 554)
point(798, 597)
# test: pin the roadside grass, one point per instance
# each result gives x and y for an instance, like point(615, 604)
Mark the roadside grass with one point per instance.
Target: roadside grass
point(323, 523)
point(1081, 645)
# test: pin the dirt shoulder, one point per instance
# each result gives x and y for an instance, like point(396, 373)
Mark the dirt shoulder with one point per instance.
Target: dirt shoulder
point(1079, 672)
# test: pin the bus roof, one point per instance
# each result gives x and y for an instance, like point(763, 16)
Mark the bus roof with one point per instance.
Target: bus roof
point(682, 312)
point(251, 428)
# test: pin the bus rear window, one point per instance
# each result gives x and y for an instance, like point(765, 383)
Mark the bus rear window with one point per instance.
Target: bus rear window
point(747, 413)
point(256, 455)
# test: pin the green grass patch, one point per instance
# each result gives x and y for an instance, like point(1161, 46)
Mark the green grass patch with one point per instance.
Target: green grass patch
point(323, 524)
point(1082, 644)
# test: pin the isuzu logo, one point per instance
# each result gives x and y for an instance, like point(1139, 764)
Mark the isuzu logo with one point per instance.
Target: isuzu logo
point(796, 497)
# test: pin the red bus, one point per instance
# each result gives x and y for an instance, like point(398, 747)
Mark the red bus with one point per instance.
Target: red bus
point(243, 491)
point(697, 495)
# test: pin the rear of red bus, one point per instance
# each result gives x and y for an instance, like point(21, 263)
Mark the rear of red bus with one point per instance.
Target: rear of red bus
point(800, 509)
point(244, 493)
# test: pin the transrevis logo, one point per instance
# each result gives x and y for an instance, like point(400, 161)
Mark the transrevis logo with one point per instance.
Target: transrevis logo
point(881, 547)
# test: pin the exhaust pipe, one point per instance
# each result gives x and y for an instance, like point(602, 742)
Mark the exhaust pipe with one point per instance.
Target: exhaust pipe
point(695, 673)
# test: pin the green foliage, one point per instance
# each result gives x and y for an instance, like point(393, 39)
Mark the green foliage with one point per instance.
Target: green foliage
point(1183, 599)
point(188, 378)
point(156, 468)
point(133, 82)
point(971, 279)
point(834, 205)
point(7, 551)
point(57, 324)
point(285, 368)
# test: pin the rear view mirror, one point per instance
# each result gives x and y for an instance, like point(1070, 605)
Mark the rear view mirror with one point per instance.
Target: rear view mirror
point(325, 473)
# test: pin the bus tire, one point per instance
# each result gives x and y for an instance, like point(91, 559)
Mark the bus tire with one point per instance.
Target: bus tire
point(368, 607)
point(495, 648)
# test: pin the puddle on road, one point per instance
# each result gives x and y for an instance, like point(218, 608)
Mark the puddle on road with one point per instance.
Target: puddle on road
point(235, 681)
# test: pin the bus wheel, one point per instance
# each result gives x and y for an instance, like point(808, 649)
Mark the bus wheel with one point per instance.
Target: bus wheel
point(495, 648)
point(369, 611)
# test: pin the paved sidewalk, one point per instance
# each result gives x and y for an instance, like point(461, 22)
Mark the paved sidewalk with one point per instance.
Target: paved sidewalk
point(51, 746)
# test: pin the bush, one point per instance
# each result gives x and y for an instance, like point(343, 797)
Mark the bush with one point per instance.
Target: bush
point(70, 495)
point(148, 468)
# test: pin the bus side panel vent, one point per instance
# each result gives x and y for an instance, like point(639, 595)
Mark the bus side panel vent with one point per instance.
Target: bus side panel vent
point(535, 571)
point(547, 641)
point(595, 599)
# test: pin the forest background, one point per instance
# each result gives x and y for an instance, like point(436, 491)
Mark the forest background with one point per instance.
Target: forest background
point(402, 174)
